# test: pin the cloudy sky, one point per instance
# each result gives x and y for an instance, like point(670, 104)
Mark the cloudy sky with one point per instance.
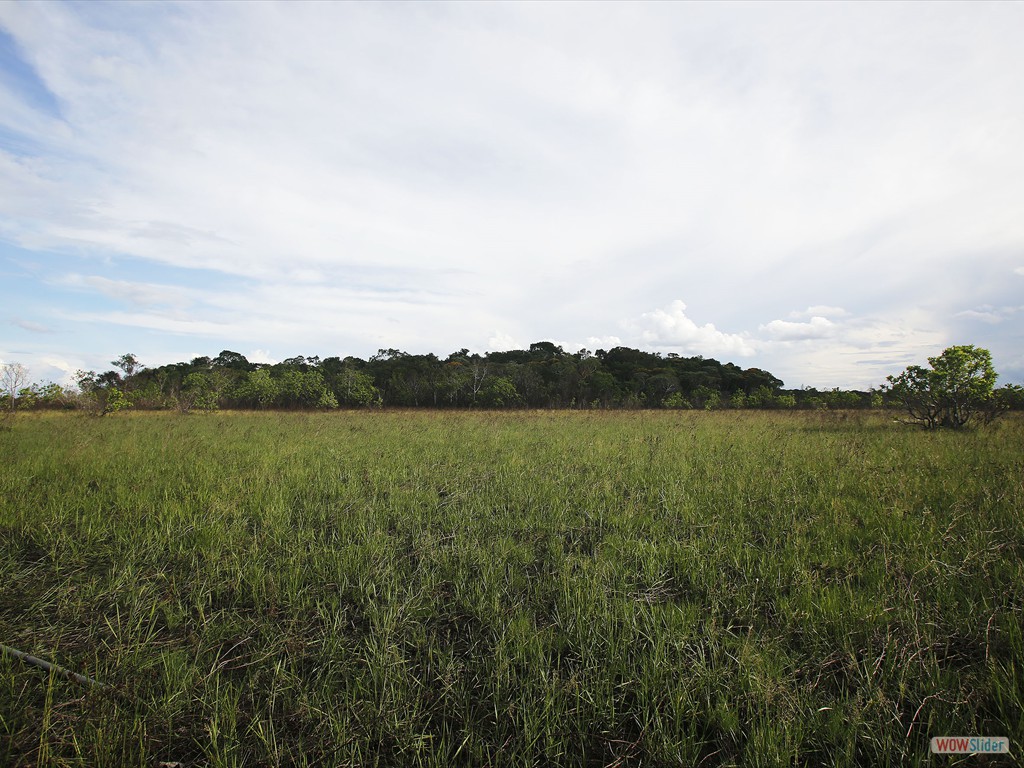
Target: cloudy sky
point(828, 191)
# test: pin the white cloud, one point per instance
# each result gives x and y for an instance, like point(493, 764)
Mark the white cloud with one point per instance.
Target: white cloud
point(44, 367)
point(784, 330)
point(821, 310)
point(603, 342)
point(136, 293)
point(175, 324)
point(344, 176)
point(33, 327)
point(672, 328)
point(984, 316)
point(502, 342)
point(261, 356)
point(990, 314)
point(58, 363)
point(858, 352)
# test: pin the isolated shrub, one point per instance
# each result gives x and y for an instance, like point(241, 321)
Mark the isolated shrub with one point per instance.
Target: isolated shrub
point(115, 400)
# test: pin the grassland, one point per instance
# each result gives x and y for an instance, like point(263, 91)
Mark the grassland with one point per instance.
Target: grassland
point(514, 589)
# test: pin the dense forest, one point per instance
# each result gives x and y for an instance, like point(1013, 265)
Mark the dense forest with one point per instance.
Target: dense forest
point(543, 376)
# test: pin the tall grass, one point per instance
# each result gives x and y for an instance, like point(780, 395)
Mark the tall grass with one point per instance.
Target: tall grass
point(513, 589)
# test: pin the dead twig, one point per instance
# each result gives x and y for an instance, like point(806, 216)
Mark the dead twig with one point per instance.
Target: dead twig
point(49, 667)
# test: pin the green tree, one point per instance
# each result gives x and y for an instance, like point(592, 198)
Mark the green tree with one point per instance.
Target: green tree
point(115, 401)
point(101, 394)
point(233, 360)
point(198, 391)
point(128, 363)
point(304, 389)
point(676, 400)
point(499, 392)
point(53, 396)
point(257, 389)
point(453, 381)
point(355, 388)
point(785, 401)
point(1009, 397)
point(762, 397)
point(28, 398)
point(706, 398)
point(956, 387)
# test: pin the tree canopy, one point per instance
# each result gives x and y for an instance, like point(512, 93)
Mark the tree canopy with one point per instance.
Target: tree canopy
point(958, 386)
point(541, 376)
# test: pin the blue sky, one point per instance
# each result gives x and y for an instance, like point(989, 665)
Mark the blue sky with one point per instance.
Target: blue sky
point(828, 191)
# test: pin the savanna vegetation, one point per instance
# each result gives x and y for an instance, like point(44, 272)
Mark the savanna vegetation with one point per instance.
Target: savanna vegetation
point(543, 376)
point(527, 588)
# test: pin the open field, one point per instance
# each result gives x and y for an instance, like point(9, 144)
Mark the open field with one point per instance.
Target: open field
point(514, 589)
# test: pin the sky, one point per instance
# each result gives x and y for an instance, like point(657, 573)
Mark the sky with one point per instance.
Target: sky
point(828, 191)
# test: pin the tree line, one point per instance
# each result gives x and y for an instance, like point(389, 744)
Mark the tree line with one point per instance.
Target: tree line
point(542, 376)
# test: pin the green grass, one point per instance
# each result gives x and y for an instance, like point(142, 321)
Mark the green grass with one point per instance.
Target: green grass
point(514, 589)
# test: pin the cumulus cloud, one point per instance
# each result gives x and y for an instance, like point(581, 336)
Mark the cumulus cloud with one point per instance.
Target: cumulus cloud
point(860, 351)
point(44, 367)
point(59, 363)
point(671, 327)
point(260, 356)
point(502, 342)
point(603, 342)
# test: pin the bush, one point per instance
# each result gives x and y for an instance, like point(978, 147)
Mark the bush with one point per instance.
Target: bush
point(958, 386)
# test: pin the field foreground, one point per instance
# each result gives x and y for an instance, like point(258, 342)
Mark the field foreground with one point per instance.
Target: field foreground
point(514, 589)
